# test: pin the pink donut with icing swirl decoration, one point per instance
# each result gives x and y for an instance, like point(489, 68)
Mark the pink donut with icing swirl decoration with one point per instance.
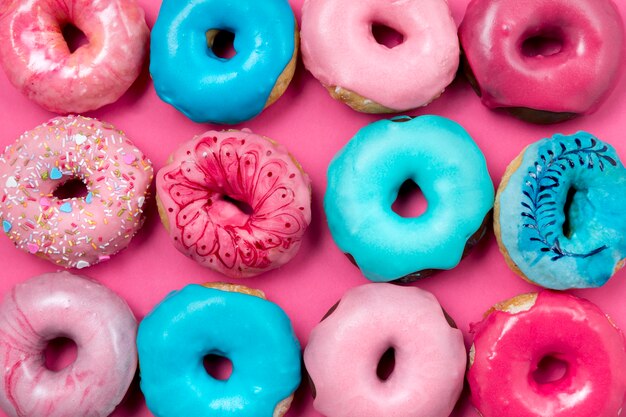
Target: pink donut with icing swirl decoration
point(346, 350)
point(39, 62)
point(71, 230)
point(544, 60)
point(340, 50)
point(235, 202)
point(95, 318)
point(519, 336)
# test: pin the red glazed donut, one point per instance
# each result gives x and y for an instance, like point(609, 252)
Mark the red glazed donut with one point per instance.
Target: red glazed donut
point(546, 60)
point(38, 61)
point(517, 335)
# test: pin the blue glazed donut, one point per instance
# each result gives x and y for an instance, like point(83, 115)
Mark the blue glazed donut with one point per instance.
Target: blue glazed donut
point(255, 334)
point(364, 179)
point(559, 215)
point(206, 88)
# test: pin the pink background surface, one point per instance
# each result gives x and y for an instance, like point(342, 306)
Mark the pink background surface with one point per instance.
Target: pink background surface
point(313, 127)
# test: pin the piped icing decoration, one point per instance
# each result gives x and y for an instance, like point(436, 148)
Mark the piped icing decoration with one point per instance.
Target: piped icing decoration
point(560, 212)
point(511, 342)
point(339, 49)
point(210, 177)
point(556, 56)
point(364, 179)
point(214, 89)
point(39, 62)
point(73, 230)
point(254, 334)
point(344, 351)
point(95, 318)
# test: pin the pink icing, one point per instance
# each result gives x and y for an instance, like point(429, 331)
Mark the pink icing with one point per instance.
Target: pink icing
point(96, 319)
point(344, 350)
point(194, 191)
point(79, 231)
point(339, 49)
point(574, 80)
point(508, 347)
point(37, 60)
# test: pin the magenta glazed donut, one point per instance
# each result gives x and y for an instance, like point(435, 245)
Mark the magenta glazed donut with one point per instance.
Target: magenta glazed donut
point(38, 61)
point(516, 336)
point(95, 318)
point(235, 202)
point(545, 60)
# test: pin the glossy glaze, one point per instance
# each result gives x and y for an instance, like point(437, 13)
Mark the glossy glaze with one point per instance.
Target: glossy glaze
point(340, 51)
point(534, 208)
point(196, 192)
point(363, 182)
point(509, 345)
point(80, 231)
point(344, 350)
point(95, 318)
point(214, 89)
point(37, 60)
point(575, 80)
point(255, 334)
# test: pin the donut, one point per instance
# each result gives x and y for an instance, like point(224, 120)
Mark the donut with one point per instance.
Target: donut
point(544, 61)
point(73, 231)
point(253, 333)
point(346, 348)
point(212, 88)
point(364, 177)
point(57, 305)
point(39, 62)
point(235, 202)
point(517, 337)
point(340, 50)
point(558, 214)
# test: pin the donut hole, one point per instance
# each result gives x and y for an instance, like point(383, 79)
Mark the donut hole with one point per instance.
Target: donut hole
point(221, 42)
point(59, 353)
point(72, 188)
point(386, 364)
point(549, 369)
point(242, 206)
point(74, 37)
point(410, 201)
point(217, 366)
point(386, 35)
point(567, 228)
point(543, 44)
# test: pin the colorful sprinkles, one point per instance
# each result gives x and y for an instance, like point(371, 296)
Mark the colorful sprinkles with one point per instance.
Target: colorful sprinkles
point(73, 232)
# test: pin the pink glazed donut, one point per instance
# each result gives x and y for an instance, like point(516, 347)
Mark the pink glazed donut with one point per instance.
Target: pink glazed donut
point(544, 60)
point(518, 335)
point(340, 50)
point(77, 231)
point(344, 351)
point(95, 318)
point(235, 202)
point(38, 61)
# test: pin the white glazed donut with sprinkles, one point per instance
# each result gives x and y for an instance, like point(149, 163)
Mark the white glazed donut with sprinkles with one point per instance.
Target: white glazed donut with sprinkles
point(77, 231)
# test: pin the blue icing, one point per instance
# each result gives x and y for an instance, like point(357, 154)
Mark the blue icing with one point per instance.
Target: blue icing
point(556, 245)
point(363, 182)
point(206, 88)
point(55, 174)
point(254, 334)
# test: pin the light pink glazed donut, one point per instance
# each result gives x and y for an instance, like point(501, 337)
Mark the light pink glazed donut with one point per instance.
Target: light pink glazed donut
point(545, 60)
point(344, 351)
point(339, 49)
point(235, 202)
point(79, 231)
point(95, 318)
point(38, 61)
point(518, 334)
